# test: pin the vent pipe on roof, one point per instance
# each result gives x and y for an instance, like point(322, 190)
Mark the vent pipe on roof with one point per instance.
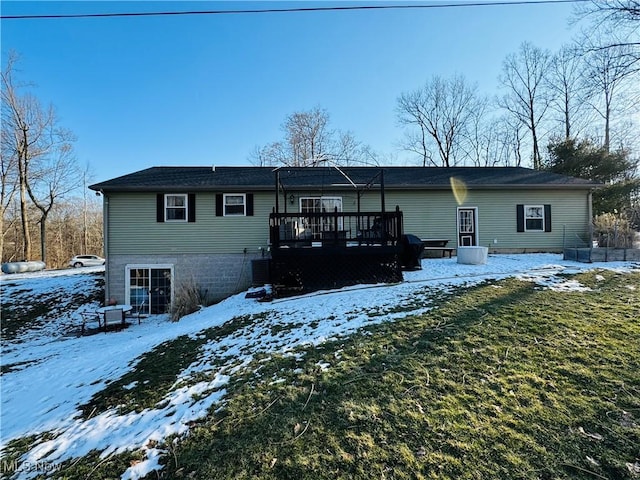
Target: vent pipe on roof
point(213, 168)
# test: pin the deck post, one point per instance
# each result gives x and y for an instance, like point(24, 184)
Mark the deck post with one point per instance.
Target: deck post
point(277, 190)
point(358, 219)
point(382, 190)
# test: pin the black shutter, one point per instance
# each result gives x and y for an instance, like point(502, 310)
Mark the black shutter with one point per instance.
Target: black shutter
point(160, 207)
point(520, 218)
point(219, 205)
point(547, 218)
point(191, 208)
point(249, 204)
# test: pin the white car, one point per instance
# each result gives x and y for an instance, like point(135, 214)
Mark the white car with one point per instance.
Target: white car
point(86, 261)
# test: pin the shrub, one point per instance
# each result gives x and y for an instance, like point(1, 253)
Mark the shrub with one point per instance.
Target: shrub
point(633, 214)
point(188, 298)
point(613, 230)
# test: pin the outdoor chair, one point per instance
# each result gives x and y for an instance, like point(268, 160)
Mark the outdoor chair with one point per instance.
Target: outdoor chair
point(113, 316)
point(89, 317)
point(138, 311)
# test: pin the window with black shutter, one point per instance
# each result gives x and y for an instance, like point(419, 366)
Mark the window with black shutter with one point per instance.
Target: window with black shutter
point(234, 204)
point(533, 218)
point(175, 207)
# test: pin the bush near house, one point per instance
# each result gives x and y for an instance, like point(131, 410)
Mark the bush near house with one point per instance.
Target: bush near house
point(613, 230)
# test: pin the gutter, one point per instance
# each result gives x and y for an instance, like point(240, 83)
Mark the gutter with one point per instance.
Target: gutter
point(314, 187)
point(589, 231)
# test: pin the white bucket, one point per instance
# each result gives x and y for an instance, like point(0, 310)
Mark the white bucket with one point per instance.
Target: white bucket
point(472, 255)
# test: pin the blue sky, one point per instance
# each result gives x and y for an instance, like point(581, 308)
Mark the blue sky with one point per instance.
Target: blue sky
point(208, 89)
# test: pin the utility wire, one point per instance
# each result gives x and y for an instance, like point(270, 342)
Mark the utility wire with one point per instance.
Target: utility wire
point(288, 10)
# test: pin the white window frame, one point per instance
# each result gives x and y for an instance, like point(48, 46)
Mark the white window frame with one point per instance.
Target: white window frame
point(185, 208)
point(322, 200)
point(317, 228)
point(147, 266)
point(527, 217)
point(244, 205)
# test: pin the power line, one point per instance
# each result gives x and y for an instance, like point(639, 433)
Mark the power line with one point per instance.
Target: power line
point(288, 10)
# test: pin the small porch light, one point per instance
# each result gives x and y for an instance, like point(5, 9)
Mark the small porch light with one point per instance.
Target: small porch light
point(291, 199)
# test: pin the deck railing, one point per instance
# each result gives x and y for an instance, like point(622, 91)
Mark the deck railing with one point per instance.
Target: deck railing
point(348, 229)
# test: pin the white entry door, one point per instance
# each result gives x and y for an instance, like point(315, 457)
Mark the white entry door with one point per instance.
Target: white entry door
point(467, 227)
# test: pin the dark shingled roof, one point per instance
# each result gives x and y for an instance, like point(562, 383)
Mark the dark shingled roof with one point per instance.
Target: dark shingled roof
point(158, 179)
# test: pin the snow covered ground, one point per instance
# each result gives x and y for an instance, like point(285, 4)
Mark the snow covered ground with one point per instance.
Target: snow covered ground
point(50, 374)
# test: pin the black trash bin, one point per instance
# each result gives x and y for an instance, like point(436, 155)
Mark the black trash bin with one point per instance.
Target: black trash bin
point(411, 252)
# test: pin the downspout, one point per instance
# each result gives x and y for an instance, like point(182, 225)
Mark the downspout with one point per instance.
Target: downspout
point(590, 218)
point(105, 235)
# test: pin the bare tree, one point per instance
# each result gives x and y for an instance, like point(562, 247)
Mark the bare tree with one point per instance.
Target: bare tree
point(68, 233)
point(438, 117)
point(567, 82)
point(270, 155)
point(504, 138)
point(74, 226)
point(527, 98)
point(41, 151)
point(481, 135)
point(621, 11)
point(8, 180)
point(609, 76)
point(307, 136)
point(309, 141)
point(412, 113)
point(16, 116)
point(58, 176)
point(354, 152)
point(621, 16)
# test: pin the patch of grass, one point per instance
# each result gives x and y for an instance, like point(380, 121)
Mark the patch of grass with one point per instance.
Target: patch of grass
point(279, 328)
point(10, 462)
point(148, 381)
point(12, 453)
point(20, 316)
point(232, 327)
point(15, 366)
point(156, 372)
point(502, 381)
point(91, 467)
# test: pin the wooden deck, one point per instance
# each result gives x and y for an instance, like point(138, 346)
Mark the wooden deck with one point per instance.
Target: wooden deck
point(318, 251)
point(287, 230)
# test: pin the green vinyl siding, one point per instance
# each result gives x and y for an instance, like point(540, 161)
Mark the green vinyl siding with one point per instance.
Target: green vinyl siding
point(433, 214)
point(132, 227)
